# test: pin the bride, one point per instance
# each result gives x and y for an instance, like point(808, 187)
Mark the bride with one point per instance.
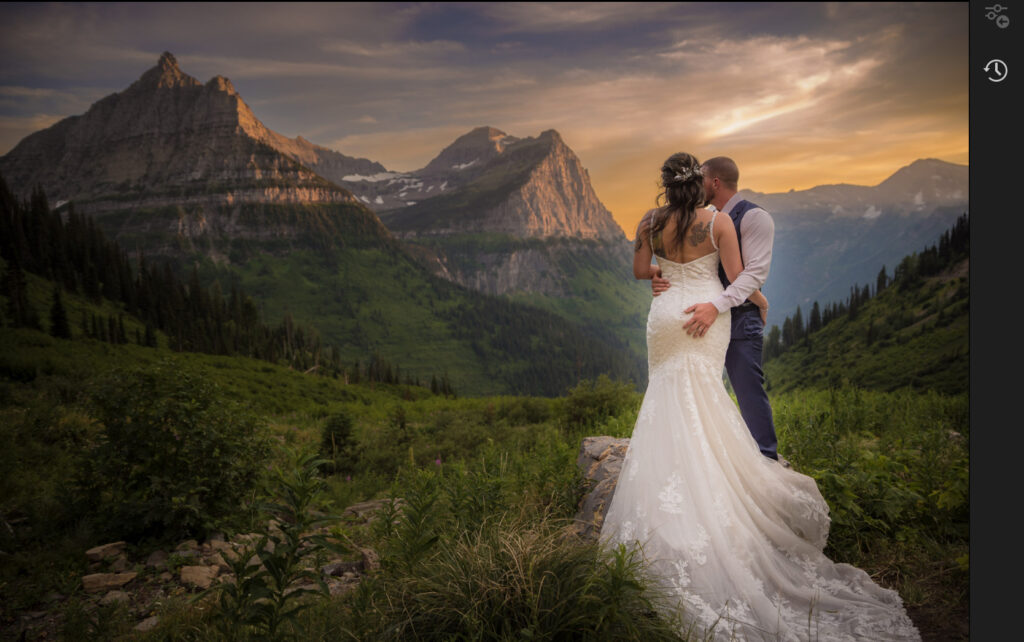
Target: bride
point(736, 537)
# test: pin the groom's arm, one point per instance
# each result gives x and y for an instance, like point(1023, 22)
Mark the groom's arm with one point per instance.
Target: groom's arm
point(757, 235)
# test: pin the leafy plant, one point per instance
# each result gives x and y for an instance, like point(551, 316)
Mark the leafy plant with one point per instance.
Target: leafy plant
point(593, 401)
point(174, 459)
point(274, 574)
point(336, 442)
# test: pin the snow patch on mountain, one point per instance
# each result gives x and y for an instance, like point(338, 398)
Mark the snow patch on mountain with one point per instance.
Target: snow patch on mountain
point(380, 176)
point(872, 212)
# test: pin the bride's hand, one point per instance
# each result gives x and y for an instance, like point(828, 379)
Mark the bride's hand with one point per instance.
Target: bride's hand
point(658, 283)
point(758, 299)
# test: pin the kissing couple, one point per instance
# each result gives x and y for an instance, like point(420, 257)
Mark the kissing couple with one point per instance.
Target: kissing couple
point(734, 534)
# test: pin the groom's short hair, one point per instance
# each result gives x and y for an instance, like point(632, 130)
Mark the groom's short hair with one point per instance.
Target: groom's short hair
point(724, 169)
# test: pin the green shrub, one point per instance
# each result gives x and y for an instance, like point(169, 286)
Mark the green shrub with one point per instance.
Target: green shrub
point(174, 457)
point(336, 442)
point(590, 402)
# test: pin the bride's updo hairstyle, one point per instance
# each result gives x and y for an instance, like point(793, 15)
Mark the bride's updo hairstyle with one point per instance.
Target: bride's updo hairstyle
point(683, 192)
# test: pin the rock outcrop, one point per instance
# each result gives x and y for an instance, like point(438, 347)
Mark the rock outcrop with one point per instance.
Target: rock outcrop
point(600, 461)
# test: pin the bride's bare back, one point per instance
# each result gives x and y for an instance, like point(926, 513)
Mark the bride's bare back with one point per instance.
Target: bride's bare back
point(698, 239)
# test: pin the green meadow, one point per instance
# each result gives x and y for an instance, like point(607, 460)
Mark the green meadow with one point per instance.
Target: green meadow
point(478, 549)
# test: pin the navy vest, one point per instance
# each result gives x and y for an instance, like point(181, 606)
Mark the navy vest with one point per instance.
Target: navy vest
point(737, 213)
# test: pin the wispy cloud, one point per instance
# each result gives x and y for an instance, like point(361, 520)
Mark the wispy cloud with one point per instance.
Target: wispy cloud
point(798, 93)
point(394, 49)
point(538, 17)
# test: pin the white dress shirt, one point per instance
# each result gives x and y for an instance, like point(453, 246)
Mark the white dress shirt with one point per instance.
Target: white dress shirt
point(757, 233)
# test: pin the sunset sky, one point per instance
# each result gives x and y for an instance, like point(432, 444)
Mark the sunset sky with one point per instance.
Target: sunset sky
point(799, 94)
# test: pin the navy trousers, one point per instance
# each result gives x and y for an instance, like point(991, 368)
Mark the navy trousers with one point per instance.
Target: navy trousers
point(743, 364)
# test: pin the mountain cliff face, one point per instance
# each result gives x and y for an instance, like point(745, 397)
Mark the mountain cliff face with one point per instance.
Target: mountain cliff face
point(490, 182)
point(170, 139)
point(517, 217)
point(171, 160)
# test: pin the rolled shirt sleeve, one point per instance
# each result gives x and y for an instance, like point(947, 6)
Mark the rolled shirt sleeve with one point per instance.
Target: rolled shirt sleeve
point(757, 234)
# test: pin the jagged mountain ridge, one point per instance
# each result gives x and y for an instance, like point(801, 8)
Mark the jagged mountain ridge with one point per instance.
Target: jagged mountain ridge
point(489, 182)
point(167, 138)
point(174, 165)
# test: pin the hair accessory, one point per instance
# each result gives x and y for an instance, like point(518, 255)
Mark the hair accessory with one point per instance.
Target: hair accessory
point(687, 174)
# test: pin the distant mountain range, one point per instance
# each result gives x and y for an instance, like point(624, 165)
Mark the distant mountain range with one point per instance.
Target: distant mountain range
point(184, 170)
point(830, 237)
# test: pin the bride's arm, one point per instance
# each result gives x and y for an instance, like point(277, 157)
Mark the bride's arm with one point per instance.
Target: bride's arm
point(642, 252)
point(758, 299)
point(728, 250)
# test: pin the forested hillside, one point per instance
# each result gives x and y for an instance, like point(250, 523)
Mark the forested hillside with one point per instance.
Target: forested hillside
point(907, 329)
point(376, 303)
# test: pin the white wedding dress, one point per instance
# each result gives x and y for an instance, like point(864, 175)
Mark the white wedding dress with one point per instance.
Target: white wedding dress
point(735, 537)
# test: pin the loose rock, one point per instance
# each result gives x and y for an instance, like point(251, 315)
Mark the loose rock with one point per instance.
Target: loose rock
point(157, 559)
point(120, 564)
point(199, 576)
point(148, 624)
point(97, 582)
point(371, 561)
point(115, 597)
point(105, 551)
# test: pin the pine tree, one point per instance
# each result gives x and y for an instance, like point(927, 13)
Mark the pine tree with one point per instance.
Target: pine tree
point(15, 288)
point(814, 323)
point(773, 343)
point(788, 337)
point(59, 317)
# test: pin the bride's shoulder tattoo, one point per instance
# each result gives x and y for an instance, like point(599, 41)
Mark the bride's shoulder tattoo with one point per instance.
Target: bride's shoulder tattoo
point(698, 233)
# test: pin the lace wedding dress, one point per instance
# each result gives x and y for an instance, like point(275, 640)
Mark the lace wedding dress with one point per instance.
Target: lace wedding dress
point(736, 537)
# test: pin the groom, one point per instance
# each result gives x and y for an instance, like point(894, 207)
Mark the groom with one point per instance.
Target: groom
point(755, 231)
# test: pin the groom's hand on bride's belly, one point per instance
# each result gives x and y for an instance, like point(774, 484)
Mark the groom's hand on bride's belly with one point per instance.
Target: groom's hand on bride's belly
point(704, 314)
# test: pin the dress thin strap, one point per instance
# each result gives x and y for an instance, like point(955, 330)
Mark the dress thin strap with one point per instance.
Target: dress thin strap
point(712, 229)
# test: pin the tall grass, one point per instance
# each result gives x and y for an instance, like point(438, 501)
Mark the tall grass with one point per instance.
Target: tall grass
point(486, 557)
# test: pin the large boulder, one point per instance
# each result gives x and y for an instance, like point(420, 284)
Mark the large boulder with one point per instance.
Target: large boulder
point(600, 461)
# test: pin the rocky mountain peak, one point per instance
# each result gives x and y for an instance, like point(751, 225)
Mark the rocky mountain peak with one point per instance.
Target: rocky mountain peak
point(552, 135)
point(165, 136)
point(925, 171)
point(475, 148)
point(166, 74)
point(220, 83)
point(533, 187)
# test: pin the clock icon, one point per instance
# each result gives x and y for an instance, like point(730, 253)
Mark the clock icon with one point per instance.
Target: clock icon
point(996, 70)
